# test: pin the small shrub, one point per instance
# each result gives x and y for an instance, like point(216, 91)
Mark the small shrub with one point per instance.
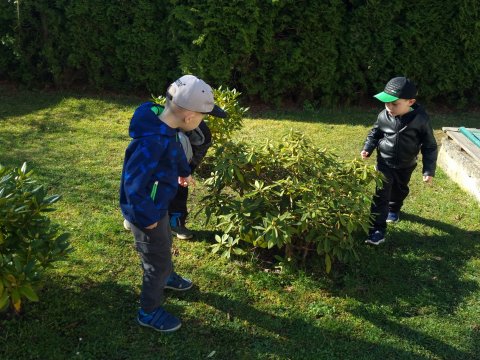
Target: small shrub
point(29, 243)
point(293, 196)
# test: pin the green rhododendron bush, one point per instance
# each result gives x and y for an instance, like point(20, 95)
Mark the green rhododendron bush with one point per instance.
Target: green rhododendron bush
point(293, 196)
point(29, 242)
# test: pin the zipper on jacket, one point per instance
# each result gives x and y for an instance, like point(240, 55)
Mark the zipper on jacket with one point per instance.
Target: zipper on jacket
point(398, 122)
point(154, 190)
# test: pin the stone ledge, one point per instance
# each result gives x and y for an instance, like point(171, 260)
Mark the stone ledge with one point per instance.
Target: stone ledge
point(460, 167)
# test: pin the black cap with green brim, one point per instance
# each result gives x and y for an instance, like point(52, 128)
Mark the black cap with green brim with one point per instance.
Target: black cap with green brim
point(397, 88)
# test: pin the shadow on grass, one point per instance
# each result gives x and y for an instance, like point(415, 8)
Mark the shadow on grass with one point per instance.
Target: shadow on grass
point(425, 271)
point(82, 319)
point(19, 102)
point(413, 277)
point(439, 349)
point(23, 102)
point(54, 151)
point(201, 235)
point(44, 132)
point(267, 335)
point(52, 125)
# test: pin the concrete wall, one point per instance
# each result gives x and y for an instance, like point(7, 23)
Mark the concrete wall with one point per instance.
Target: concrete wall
point(460, 167)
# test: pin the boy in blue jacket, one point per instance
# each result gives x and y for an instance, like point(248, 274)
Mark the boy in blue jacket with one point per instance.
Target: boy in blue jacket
point(154, 166)
point(402, 130)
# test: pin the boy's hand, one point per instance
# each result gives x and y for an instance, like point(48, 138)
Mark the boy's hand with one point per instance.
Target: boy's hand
point(364, 154)
point(185, 181)
point(427, 179)
point(153, 226)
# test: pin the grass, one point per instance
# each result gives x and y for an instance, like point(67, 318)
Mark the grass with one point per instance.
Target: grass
point(417, 297)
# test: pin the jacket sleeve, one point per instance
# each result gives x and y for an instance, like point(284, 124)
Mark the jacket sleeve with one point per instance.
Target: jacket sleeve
point(429, 150)
point(139, 171)
point(373, 137)
point(200, 150)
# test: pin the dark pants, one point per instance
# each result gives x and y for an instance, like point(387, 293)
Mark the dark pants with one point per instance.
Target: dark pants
point(155, 249)
point(390, 196)
point(178, 206)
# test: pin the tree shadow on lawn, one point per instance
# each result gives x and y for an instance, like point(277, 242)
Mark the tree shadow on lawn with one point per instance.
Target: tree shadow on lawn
point(96, 320)
point(20, 102)
point(60, 162)
point(51, 141)
point(410, 276)
point(44, 135)
point(25, 147)
point(14, 102)
point(414, 276)
point(265, 334)
point(254, 334)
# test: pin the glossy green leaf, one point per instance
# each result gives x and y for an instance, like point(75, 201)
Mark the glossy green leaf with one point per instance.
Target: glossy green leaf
point(28, 292)
point(328, 263)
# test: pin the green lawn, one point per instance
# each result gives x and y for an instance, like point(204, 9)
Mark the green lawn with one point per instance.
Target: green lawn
point(416, 297)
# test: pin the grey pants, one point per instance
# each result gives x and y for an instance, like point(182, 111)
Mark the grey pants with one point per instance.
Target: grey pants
point(155, 249)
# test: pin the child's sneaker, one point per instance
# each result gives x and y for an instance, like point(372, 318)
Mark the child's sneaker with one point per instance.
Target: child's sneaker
point(182, 232)
point(126, 225)
point(375, 238)
point(159, 320)
point(177, 224)
point(393, 217)
point(178, 283)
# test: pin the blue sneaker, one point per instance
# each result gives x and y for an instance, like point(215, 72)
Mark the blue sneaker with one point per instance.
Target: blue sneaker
point(178, 283)
point(393, 217)
point(375, 238)
point(159, 320)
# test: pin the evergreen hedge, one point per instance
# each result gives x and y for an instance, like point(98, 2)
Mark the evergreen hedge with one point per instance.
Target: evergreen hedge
point(323, 51)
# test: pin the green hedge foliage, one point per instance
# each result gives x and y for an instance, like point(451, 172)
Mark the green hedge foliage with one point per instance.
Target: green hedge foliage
point(326, 52)
point(8, 61)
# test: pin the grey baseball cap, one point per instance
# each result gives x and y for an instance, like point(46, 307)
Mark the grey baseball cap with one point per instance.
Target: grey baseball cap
point(194, 94)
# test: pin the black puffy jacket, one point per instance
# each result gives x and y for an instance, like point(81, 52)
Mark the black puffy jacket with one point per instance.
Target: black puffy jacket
point(399, 139)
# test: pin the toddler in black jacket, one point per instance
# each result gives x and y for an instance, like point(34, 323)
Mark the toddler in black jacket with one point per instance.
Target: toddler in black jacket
point(401, 131)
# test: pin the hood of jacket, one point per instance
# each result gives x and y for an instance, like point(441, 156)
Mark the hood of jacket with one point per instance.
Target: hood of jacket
point(145, 122)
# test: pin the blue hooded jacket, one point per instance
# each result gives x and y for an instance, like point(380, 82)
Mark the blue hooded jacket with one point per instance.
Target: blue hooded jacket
point(154, 160)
